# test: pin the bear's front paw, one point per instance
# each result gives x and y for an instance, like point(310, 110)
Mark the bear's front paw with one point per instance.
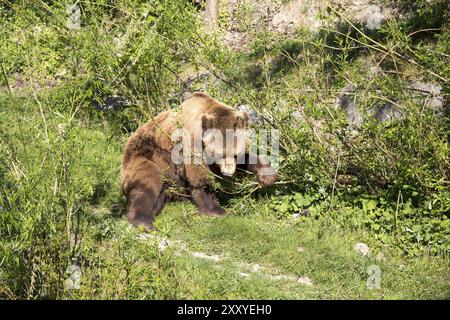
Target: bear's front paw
point(267, 176)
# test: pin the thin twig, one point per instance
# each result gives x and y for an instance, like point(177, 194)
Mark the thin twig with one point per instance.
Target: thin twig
point(6, 80)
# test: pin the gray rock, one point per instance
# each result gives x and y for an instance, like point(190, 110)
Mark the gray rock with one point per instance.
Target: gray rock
point(253, 116)
point(380, 256)
point(346, 101)
point(256, 268)
point(305, 280)
point(243, 274)
point(387, 112)
point(373, 71)
point(362, 249)
point(296, 115)
point(185, 95)
point(199, 77)
point(429, 94)
point(112, 103)
point(300, 213)
point(374, 17)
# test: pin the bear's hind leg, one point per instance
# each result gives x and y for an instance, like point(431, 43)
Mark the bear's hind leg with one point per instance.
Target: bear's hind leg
point(140, 208)
point(146, 195)
point(143, 207)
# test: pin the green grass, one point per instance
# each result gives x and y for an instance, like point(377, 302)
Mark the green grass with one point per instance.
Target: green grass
point(328, 259)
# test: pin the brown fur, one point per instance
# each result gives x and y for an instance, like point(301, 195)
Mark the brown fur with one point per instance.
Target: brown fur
point(147, 170)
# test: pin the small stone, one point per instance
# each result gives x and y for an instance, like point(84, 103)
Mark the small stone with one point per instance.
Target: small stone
point(145, 236)
point(162, 245)
point(374, 17)
point(346, 101)
point(185, 95)
point(374, 71)
point(303, 212)
point(202, 255)
point(305, 280)
point(296, 115)
point(387, 112)
point(380, 256)
point(362, 249)
point(62, 128)
point(256, 268)
point(112, 103)
point(300, 249)
point(282, 277)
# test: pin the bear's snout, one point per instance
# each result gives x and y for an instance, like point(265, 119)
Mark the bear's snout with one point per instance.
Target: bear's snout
point(228, 169)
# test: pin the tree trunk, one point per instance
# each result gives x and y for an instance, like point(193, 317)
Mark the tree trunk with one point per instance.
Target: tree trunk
point(212, 12)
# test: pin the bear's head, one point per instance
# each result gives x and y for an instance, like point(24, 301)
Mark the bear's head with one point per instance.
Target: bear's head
point(225, 138)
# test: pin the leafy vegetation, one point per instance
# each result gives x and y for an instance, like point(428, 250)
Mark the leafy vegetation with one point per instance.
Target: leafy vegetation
point(385, 183)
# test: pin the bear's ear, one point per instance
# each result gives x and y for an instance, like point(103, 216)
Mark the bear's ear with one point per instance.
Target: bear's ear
point(207, 122)
point(242, 120)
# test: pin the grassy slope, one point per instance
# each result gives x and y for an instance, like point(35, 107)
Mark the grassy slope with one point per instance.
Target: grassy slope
point(120, 264)
point(327, 258)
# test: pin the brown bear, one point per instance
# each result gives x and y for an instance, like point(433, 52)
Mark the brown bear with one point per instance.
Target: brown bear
point(149, 169)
